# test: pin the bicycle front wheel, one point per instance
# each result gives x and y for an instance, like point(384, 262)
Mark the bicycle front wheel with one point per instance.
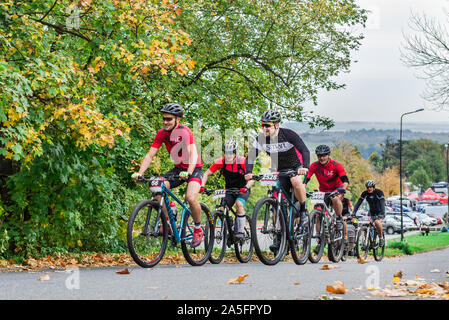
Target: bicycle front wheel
point(197, 256)
point(147, 234)
point(317, 237)
point(220, 237)
point(269, 233)
point(336, 245)
point(378, 251)
point(362, 247)
point(300, 240)
point(244, 246)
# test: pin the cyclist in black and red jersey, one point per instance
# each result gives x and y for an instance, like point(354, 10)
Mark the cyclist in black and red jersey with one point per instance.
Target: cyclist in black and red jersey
point(233, 168)
point(330, 175)
point(287, 151)
point(179, 141)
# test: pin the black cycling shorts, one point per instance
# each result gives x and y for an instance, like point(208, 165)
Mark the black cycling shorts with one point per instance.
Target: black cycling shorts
point(286, 183)
point(197, 175)
point(231, 198)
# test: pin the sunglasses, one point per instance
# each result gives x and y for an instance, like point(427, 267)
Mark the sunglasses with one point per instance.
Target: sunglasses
point(267, 125)
point(167, 119)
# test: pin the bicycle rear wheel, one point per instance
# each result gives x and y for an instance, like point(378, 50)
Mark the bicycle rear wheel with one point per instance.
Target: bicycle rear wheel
point(378, 251)
point(269, 236)
point(362, 244)
point(147, 234)
point(300, 241)
point(244, 247)
point(220, 237)
point(317, 239)
point(199, 255)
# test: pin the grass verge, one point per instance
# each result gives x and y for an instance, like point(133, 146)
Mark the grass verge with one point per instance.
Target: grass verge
point(416, 243)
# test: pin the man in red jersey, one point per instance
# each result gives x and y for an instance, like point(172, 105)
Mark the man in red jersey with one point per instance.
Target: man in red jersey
point(180, 144)
point(331, 176)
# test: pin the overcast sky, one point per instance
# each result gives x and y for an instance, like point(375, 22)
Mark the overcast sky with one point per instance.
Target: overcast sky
point(380, 87)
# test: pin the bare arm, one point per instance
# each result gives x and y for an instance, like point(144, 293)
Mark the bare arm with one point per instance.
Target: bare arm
point(193, 157)
point(146, 162)
point(205, 177)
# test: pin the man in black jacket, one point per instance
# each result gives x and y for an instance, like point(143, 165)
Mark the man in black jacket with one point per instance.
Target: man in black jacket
point(376, 201)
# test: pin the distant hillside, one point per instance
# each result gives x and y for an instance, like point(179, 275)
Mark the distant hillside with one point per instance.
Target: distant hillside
point(368, 139)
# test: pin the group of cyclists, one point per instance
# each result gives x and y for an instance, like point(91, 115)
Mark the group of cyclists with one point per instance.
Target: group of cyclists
point(287, 152)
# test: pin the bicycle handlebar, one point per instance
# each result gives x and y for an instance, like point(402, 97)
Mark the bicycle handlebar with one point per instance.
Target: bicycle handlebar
point(282, 173)
point(230, 190)
point(145, 179)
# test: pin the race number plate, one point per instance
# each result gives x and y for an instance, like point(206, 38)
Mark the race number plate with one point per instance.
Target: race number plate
point(269, 180)
point(218, 194)
point(156, 184)
point(318, 197)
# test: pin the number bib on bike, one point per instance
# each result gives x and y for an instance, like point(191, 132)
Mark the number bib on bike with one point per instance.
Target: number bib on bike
point(269, 180)
point(318, 197)
point(218, 194)
point(156, 184)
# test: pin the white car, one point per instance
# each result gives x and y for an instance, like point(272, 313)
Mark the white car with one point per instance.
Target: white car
point(426, 220)
point(392, 224)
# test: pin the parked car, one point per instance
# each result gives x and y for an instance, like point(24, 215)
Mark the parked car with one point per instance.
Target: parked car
point(426, 220)
point(436, 212)
point(409, 216)
point(392, 224)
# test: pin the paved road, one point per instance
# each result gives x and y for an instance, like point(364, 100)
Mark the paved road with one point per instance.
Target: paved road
point(209, 281)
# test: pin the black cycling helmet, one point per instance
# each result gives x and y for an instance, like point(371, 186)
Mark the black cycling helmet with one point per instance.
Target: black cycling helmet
point(271, 116)
point(173, 108)
point(322, 149)
point(230, 146)
point(370, 183)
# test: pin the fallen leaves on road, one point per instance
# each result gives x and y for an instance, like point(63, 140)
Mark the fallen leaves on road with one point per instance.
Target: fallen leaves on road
point(123, 271)
point(44, 278)
point(337, 288)
point(361, 261)
point(296, 283)
point(329, 267)
point(418, 287)
point(237, 280)
point(398, 274)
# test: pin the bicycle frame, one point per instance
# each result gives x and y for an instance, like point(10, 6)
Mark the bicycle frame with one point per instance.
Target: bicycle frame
point(280, 190)
point(225, 211)
point(166, 193)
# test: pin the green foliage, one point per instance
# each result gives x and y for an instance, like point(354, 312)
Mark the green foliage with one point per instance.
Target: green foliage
point(422, 153)
point(79, 104)
point(420, 178)
point(403, 246)
point(375, 160)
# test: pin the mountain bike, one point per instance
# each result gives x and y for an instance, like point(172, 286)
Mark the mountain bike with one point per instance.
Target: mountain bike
point(368, 239)
point(324, 228)
point(149, 230)
point(225, 230)
point(275, 229)
point(352, 236)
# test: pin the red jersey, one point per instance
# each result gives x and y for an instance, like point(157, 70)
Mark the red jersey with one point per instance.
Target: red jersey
point(233, 167)
point(176, 142)
point(328, 176)
point(234, 173)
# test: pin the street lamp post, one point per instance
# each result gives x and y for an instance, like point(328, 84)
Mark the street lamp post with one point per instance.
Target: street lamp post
point(447, 175)
point(400, 170)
